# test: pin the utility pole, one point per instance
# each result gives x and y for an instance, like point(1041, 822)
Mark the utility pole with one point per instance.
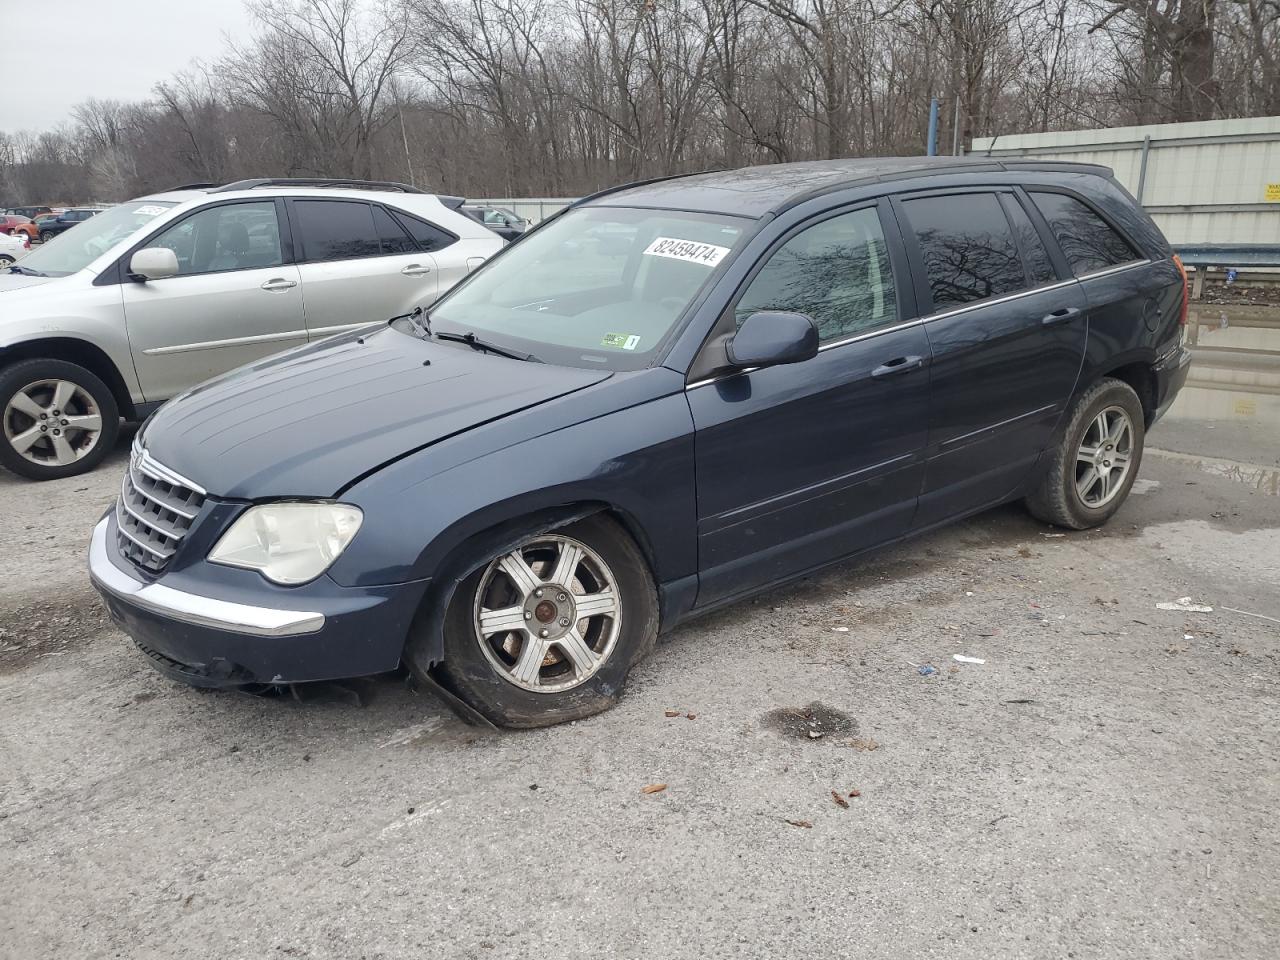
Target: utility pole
point(931, 149)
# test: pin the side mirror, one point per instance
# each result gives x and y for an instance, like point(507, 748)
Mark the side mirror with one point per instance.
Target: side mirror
point(153, 263)
point(772, 337)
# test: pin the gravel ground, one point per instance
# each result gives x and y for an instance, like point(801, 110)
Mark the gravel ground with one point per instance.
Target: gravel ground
point(1104, 785)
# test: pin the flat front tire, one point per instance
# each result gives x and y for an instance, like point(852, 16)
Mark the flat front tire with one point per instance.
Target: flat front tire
point(548, 631)
point(1092, 469)
point(57, 419)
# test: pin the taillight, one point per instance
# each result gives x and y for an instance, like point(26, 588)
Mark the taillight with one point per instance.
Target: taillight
point(1186, 290)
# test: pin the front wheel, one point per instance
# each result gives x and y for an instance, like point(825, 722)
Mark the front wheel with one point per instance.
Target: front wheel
point(549, 631)
point(5, 261)
point(57, 419)
point(1094, 465)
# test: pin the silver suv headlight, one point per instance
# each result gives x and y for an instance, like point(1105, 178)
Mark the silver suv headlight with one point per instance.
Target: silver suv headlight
point(288, 543)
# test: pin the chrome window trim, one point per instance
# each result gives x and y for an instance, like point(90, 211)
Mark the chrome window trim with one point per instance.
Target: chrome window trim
point(1007, 298)
point(190, 607)
point(1106, 271)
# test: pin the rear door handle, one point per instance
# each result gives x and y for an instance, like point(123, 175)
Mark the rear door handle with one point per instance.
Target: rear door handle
point(416, 270)
point(898, 365)
point(1061, 316)
point(279, 283)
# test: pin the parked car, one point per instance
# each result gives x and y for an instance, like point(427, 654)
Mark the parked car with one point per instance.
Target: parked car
point(13, 223)
point(156, 295)
point(787, 366)
point(31, 213)
point(64, 221)
point(500, 220)
point(12, 246)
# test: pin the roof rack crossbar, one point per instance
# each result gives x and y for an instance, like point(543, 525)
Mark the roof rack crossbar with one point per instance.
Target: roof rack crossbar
point(258, 182)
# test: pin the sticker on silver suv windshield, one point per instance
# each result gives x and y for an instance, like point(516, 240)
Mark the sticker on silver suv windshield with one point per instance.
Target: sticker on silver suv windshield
point(149, 211)
point(707, 254)
point(621, 340)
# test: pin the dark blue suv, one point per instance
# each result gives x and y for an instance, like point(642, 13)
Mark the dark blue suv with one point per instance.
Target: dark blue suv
point(669, 396)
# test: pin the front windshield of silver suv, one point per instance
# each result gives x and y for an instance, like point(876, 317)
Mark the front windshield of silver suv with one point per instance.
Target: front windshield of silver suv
point(80, 245)
point(597, 287)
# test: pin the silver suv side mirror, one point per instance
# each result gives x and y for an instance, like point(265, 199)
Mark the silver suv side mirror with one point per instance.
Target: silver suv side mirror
point(153, 263)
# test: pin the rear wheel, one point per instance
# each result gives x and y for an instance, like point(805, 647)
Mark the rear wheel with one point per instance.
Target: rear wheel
point(57, 419)
point(1094, 465)
point(549, 631)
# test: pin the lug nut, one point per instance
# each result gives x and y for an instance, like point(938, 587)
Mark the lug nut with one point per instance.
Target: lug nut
point(562, 598)
point(64, 423)
point(44, 416)
point(542, 633)
point(537, 593)
point(57, 432)
point(528, 615)
point(564, 621)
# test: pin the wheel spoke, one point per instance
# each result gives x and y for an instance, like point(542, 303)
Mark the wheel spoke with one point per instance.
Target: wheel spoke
point(566, 564)
point(596, 604)
point(1118, 430)
point(62, 394)
point(1105, 483)
point(515, 567)
point(1100, 427)
point(503, 620)
point(63, 450)
point(20, 401)
point(1085, 483)
point(580, 655)
point(532, 653)
point(84, 421)
point(1087, 454)
point(23, 441)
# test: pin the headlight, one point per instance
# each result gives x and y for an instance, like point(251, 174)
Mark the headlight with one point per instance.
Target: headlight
point(288, 543)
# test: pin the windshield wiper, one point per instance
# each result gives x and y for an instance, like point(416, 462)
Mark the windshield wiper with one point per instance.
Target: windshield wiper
point(26, 271)
point(418, 319)
point(471, 340)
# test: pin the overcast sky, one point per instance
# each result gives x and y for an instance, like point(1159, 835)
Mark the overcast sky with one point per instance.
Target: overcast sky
point(59, 52)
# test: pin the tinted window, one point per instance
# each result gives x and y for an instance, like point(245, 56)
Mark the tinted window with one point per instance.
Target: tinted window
point(336, 229)
point(430, 238)
point(1086, 239)
point(1034, 255)
point(234, 236)
point(967, 246)
point(391, 234)
point(836, 272)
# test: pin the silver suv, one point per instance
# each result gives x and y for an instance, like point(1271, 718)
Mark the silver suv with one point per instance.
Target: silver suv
point(146, 299)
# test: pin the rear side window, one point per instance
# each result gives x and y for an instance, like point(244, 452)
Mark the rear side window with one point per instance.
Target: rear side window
point(430, 238)
point(336, 229)
point(1034, 255)
point(391, 235)
point(1088, 242)
point(967, 246)
point(836, 272)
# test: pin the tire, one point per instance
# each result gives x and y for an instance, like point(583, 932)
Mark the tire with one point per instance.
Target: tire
point(5, 260)
point(81, 447)
point(549, 686)
point(1080, 488)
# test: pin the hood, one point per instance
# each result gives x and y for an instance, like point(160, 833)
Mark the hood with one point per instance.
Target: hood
point(308, 422)
point(16, 281)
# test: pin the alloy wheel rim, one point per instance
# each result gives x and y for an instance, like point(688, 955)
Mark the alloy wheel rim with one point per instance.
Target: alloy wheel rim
point(1104, 457)
point(548, 614)
point(52, 423)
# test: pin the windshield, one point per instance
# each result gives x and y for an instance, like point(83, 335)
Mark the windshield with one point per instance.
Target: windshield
point(596, 287)
point(78, 246)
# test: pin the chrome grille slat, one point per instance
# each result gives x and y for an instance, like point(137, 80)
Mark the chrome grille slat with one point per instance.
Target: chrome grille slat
point(155, 510)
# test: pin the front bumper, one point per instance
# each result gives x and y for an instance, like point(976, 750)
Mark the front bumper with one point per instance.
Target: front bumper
point(328, 631)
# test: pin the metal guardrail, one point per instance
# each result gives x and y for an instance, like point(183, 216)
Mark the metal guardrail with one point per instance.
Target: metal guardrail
point(1205, 256)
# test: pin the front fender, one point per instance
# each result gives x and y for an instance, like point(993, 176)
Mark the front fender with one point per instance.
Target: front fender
point(637, 461)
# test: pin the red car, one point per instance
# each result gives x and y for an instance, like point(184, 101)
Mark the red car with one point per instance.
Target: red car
point(12, 223)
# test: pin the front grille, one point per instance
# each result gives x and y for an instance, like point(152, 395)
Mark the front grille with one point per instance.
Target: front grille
point(155, 510)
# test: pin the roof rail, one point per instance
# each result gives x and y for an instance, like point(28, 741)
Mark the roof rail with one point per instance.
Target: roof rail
point(638, 183)
point(316, 182)
point(190, 186)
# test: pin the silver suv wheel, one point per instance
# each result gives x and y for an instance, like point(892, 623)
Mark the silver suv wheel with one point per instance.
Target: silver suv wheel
point(52, 422)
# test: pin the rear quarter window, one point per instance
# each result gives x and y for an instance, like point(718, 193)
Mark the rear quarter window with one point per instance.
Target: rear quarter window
point(1088, 242)
point(967, 247)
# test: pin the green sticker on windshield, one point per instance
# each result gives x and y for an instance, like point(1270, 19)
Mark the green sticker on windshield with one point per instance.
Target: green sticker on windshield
point(623, 341)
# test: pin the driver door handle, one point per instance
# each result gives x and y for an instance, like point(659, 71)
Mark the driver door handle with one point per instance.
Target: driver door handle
point(1061, 316)
point(416, 270)
point(279, 283)
point(898, 365)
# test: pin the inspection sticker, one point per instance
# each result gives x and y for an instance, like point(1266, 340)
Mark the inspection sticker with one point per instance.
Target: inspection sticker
point(149, 211)
point(623, 340)
point(707, 254)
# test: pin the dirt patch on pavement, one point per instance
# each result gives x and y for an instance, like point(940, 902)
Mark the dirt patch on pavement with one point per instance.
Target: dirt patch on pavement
point(34, 629)
point(811, 722)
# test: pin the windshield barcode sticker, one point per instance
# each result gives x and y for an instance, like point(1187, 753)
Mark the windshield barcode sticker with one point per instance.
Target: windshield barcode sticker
point(707, 254)
point(149, 211)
